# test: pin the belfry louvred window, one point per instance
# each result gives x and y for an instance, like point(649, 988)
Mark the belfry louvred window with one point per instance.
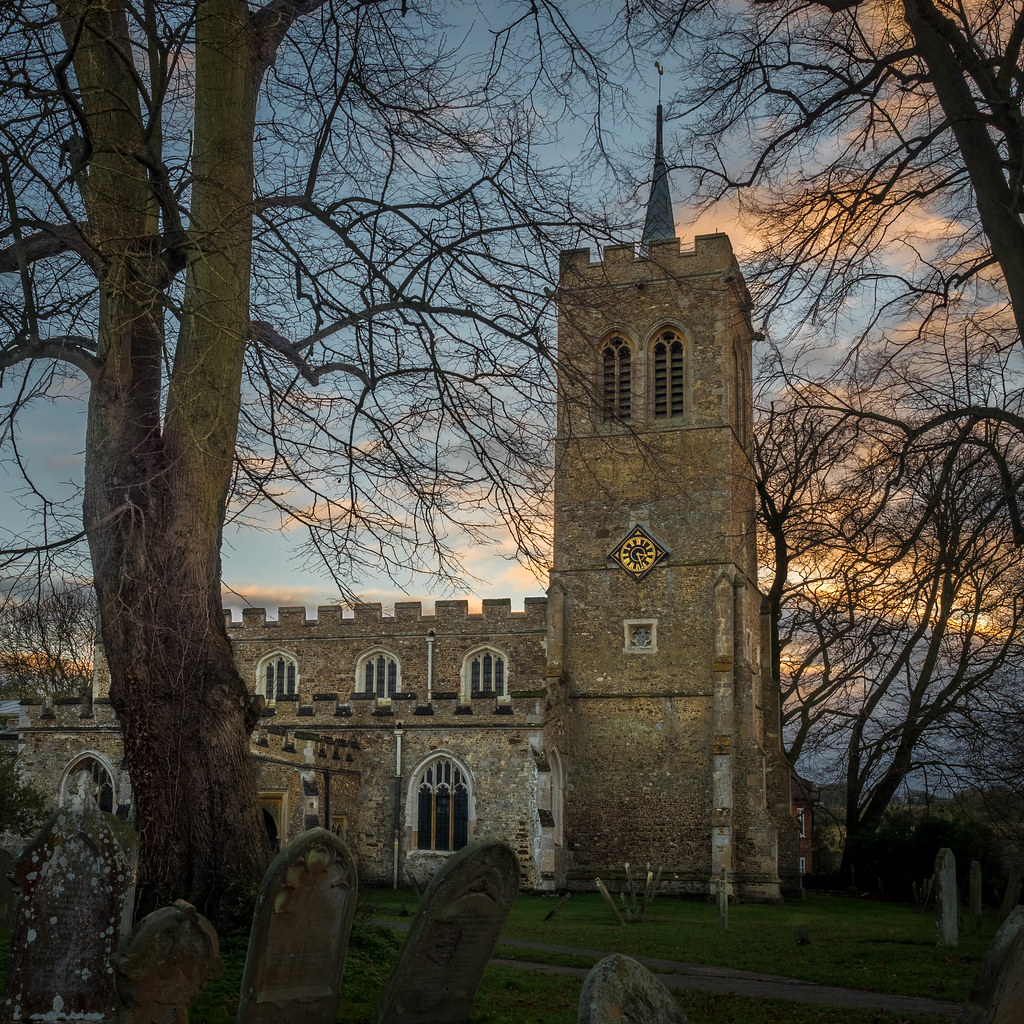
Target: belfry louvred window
point(617, 369)
point(442, 813)
point(668, 375)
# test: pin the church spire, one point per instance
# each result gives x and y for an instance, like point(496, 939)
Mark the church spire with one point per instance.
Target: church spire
point(659, 224)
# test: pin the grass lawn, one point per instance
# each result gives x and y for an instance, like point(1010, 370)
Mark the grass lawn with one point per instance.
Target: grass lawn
point(853, 944)
point(882, 947)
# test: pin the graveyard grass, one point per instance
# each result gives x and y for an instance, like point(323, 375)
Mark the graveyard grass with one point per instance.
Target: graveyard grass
point(853, 944)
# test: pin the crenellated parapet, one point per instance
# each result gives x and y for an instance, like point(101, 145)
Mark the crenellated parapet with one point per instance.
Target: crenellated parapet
point(448, 617)
point(65, 713)
point(711, 254)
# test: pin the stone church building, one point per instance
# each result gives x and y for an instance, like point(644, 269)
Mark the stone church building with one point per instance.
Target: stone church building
point(627, 716)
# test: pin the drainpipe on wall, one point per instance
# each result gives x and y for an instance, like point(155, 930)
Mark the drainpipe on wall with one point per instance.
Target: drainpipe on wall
point(431, 636)
point(398, 798)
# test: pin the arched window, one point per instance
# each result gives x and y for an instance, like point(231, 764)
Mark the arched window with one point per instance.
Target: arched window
point(100, 785)
point(379, 673)
point(442, 806)
point(277, 676)
point(668, 375)
point(484, 672)
point(616, 369)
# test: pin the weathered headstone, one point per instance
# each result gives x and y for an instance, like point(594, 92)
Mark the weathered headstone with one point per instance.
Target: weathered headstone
point(300, 933)
point(76, 883)
point(6, 889)
point(947, 897)
point(163, 964)
point(723, 899)
point(997, 996)
point(974, 913)
point(1012, 895)
point(618, 990)
point(452, 937)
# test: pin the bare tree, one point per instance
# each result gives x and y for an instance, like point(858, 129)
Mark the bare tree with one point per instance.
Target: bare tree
point(46, 643)
point(298, 251)
point(877, 150)
point(898, 588)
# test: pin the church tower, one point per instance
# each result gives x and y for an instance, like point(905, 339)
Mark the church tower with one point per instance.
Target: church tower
point(666, 731)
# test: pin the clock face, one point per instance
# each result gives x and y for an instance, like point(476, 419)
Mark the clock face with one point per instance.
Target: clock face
point(638, 553)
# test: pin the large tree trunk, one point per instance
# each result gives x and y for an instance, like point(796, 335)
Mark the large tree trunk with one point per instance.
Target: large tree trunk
point(156, 485)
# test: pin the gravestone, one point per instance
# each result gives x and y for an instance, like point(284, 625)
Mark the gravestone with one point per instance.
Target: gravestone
point(618, 990)
point(163, 964)
point(452, 937)
point(723, 899)
point(6, 890)
point(300, 933)
point(947, 897)
point(997, 995)
point(974, 913)
point(1011, 896)
point(76, 883)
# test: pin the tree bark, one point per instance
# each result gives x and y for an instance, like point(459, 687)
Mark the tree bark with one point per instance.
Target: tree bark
point(156, 485)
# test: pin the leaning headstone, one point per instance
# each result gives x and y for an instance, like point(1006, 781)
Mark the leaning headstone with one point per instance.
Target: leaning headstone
point(6, 890)
point(974, 913)
point(300, 933)
point(947, 897)
point(1012, 895)
point(997, 996)
point(163, 964)
point(618, 990)
point(76, 883)
point(452, 937)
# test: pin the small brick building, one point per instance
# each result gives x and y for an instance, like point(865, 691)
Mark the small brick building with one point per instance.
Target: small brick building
point(629, 716)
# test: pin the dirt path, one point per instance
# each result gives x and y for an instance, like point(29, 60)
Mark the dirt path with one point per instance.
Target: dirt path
point(677, 975)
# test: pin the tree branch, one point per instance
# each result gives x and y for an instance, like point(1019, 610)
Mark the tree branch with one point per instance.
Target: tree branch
point(69, 348)
point(51, 240)
point(270, 24)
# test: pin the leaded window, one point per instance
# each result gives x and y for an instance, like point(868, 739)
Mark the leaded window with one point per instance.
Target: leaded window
point(486, 671)
point(442, 807)
point(101, 786)
point(668, 375)
point(280, 677)
point(378, 674)
point(617, 369)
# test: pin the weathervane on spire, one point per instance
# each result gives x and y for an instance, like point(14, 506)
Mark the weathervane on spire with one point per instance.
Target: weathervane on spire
point(659, 224)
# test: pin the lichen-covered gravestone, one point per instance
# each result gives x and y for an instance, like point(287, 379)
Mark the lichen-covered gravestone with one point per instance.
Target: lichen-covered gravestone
point(997, 996)
point(163, 964)
point(618, 990)
point(452, 937)
point(947, 898)
point(76, 884)
point(300, 933)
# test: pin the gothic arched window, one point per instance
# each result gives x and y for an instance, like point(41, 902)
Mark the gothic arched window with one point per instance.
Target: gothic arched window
point(277, 676)
point(101, 784)
point(668, 375)
point(616, 386)
point(442, 806)
point(483, 672)
point(379, 673)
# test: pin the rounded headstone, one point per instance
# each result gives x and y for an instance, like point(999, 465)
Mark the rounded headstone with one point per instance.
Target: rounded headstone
point(618, 990)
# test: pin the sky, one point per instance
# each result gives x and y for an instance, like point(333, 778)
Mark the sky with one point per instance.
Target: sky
point(267, 568)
